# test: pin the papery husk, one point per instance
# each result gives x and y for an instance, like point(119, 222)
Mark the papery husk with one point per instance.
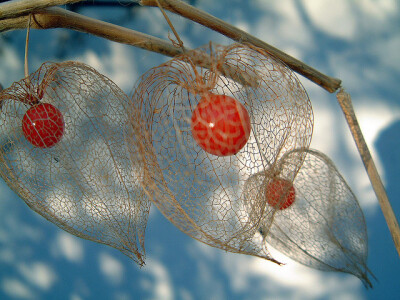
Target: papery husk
point(325, 227)
point(202, 194)
point(89, 183)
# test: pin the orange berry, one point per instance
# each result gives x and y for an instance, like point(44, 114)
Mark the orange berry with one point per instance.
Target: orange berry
point(280, 193)
point(220, 125)
point(43, 125)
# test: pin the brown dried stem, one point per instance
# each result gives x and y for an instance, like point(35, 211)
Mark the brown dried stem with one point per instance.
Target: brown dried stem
point(26, 67)
point(171, 26)
point(61, 18)
point(187, 11)
point(118, 35)
point(344, 100)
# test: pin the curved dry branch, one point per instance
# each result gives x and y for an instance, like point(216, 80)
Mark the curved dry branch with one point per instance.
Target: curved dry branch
point(57, 18)
point(61, 18)
point(185, 10)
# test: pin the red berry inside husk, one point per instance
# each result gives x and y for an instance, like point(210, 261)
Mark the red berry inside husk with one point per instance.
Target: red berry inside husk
point(280, 193)
point(43, 125)
point(220, 125)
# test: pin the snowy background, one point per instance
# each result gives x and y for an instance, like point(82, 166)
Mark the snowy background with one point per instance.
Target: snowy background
point(356, 41)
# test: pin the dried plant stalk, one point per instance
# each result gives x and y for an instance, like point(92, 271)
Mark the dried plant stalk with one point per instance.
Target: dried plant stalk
point(89, 181)
point(346, 105)
point(60, 18)
point(324, 228)
point(192, 13)
point(202, 193)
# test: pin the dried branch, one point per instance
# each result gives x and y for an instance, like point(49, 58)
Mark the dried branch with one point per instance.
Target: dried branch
point(61, 18)
point(21, 7)
point(344, 100)
point(12, 9)
point(203, 18)
point(118, 33)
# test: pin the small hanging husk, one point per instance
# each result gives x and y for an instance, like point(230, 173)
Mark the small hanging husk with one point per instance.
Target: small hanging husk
point(325, 227)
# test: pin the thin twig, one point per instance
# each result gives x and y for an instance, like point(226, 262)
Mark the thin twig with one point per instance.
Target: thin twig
point(170, 25)
point(60, 18)
point(344, 100)
point(328, 83)
point(15, 8)
point(28, 30)
point(187, 11)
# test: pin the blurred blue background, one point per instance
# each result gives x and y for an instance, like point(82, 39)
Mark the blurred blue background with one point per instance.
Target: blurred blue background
point(356, 41)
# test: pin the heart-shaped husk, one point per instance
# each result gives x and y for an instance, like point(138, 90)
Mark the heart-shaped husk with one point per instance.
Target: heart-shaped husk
point(325, 227)
point(199, 192)
point(88, 183)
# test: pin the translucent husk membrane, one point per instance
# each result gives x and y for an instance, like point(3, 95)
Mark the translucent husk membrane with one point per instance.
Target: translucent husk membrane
point(201, 193)
point(325, 227)
point(89, 183)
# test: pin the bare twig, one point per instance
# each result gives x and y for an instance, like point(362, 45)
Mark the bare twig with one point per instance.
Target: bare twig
point(170, 25)
point(344, 100)
point(28, 30)
point(328, 83)
point(15, 8)
point(203, 18)
point(60, 18)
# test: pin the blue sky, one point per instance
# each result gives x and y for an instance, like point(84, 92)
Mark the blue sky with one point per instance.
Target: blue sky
point(356, 41)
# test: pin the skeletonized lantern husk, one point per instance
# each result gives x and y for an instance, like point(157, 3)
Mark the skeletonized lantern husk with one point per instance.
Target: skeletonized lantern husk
point(89, 182)
point(201, 192)
point(325, 227)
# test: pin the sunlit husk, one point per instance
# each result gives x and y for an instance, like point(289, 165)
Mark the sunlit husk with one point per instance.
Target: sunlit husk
point(200, 193)
point(89, 183)
point(325, 227)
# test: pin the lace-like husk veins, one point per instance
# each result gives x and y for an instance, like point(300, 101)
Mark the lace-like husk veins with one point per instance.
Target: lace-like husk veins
point(89, 183)
point(200, 193)
point(325, 228)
